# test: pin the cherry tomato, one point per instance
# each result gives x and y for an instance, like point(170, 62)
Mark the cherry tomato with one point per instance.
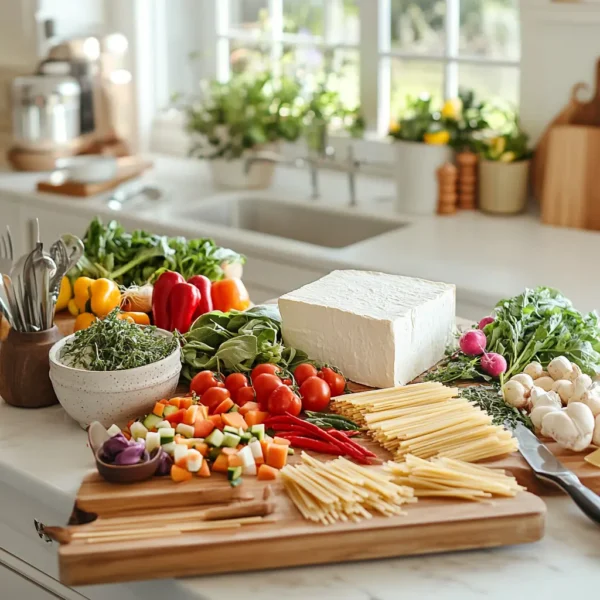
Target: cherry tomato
point(213, 396)
point(269, 368)
point(203, 381)
point(264, 385)
point(303, 372)
point(283, 400)
point(234, 383)
point(243, 395)
point(335, 381)
point(315, 394)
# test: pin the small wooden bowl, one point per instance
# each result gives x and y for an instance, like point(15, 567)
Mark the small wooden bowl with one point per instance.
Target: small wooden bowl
point(129, 473)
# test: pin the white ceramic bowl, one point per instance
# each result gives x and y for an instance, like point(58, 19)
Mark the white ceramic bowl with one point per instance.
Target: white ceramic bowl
point(92, 168)
point(112, 396)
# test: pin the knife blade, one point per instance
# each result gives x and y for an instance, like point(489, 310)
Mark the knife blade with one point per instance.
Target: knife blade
point(546, 466)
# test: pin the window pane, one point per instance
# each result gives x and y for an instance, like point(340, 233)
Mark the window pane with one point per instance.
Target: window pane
point(249, 16)
point(303, 17)
point(418, 26)
point(413, 77)
point(490, 28)
point(489, 82)
point(343, 22)
point(243, 59)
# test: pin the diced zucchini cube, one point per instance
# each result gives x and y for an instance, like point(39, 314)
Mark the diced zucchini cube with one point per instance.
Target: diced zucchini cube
point(113, 430)
point(215, 438)
point(258, 431)
point(231, 440)
point(167, 435)
point(138, 430)
point(185, 430)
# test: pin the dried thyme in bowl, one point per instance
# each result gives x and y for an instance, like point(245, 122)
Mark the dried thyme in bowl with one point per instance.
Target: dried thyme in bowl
point(112, 344)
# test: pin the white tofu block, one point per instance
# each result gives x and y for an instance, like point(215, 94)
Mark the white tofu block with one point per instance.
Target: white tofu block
point(379, 330)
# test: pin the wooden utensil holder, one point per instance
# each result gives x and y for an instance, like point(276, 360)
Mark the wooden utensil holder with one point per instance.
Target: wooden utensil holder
point(25, 367)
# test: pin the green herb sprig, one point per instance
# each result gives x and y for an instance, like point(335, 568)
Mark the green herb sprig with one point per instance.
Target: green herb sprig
point(112, 344)
point(489, 399)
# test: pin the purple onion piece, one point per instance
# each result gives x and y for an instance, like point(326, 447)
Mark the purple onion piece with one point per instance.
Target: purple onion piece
point(131, 455)
point(164, 465)
point(115, 445)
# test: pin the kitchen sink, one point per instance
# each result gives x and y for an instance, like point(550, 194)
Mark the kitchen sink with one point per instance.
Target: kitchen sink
point(311, 224)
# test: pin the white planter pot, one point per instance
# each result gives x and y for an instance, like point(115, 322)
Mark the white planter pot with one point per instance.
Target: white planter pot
point(231, 173)
point(416, 181)
point(503, 186)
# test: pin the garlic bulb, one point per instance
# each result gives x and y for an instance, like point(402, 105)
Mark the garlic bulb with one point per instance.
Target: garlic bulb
point(571, 427)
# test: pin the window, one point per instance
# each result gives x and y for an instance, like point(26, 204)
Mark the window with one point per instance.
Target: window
point(379, 50)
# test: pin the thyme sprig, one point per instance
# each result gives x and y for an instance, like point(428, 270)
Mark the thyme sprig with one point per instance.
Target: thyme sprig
point(112, 344)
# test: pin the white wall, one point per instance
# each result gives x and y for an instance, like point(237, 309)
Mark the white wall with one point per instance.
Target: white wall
point(560, 47)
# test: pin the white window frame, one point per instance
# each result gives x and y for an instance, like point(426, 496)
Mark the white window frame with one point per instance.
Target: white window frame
point(140, 20)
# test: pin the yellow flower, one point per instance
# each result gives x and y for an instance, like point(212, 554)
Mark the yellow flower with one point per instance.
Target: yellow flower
point(394, 126)
point(498, 145)
point(439, 138)
point(452, 109)
point(508, 157)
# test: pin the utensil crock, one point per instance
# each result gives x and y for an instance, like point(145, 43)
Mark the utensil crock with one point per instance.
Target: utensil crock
point(25, 367)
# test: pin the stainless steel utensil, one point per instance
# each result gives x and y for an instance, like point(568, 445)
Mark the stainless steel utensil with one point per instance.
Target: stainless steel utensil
point(60, 256)
point(17, 317)
point(547, 466)
point(127, 192)
point(75, 248)
point(6, 252)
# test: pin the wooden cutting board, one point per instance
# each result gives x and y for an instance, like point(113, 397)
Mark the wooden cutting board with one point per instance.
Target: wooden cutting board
point(571, 195)
point(288, 540)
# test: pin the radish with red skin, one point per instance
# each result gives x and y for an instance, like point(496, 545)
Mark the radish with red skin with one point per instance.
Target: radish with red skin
point(473, 342)
point(485, 321)
point(493, 364)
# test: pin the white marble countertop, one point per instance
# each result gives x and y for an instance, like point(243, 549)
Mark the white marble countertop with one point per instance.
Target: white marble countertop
point(486, 257)
point(567, 559)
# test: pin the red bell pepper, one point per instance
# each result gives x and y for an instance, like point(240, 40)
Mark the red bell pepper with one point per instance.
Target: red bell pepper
point(203, 284)
point(160, 298)
point(183, 302)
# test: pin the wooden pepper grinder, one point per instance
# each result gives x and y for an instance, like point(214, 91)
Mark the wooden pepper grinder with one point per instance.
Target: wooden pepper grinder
point(467, 180)
point(447, 176)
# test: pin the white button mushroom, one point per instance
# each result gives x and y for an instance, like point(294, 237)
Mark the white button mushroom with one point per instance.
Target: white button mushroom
point(575, 373)
point(560, 368)
point(525, 380)
point(514, 393)
point(534, 370)
point(564, 388)
point(541, 398)
point(546, 383)
point(539, 412)
point(571, 427)
point(592, 400)
point(581, 385)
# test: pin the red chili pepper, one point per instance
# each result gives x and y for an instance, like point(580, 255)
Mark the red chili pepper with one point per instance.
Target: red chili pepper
point(309, 444)
point(183, 302)
point(338, 435)
point(160, 298)
point(203, 284)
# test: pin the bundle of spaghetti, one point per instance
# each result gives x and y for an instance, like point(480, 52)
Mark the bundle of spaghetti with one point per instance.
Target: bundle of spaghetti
point(340, 490)
point(425, 420)
point(445, 477)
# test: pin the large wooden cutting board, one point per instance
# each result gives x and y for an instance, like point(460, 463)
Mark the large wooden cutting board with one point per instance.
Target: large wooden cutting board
point(428, 526)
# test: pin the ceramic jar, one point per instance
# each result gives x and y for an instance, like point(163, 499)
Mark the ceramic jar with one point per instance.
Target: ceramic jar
point(503, 186)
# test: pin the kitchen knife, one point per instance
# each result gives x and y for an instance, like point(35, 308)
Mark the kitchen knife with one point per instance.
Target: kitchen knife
point(546, 466)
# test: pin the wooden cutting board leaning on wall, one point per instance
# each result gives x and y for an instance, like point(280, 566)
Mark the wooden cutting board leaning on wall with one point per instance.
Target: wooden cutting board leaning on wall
point(571, 194)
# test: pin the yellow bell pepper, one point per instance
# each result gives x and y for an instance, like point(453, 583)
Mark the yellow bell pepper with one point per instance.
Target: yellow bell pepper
point(83, 321)
point(438, 138)
point(64, 295)
point(98, 296)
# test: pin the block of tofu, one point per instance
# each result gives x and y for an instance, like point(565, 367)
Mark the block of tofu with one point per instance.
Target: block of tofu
point(379, 330)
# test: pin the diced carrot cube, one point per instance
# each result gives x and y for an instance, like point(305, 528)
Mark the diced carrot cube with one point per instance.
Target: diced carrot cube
point(202, 448)
point(217, 421)
point(248, 407)
point(221, 463)
point(259, 460)
point(229, 451)
point(202, 411)
point(175, 402)
point(203, 428)
point(224, 406)
point(282, 441)
point(235, 461)
point(255, 417)
point(190, 415)
point(185, 403)
point(158, 409)
point(266, 473)
point(234, 419)
point(178, 474)
point(164, 401)
point(204, 470)
point(127, 435)
point(277, 456)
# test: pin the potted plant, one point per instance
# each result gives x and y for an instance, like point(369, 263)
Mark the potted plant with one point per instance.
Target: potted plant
point(232, 121)
point(503, 172)
point(421, 140)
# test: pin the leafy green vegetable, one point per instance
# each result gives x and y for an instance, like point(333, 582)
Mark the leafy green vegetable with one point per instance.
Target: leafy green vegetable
point(489, 399)
point(539, 324)
point(237, 341)
point(112, 344)
point(137, 257)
